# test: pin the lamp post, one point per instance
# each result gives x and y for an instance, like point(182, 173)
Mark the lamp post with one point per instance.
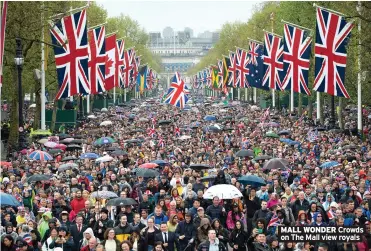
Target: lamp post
point(19, 60)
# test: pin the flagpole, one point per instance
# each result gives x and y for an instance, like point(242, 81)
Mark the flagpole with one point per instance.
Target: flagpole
point(88, 104)
point(124, 95)
point(60, 15)
point(254, 95)
point(42, 73)
point(359, 77)
point(246, 99)
point(318, 106)
point(114, 96)
point(273, 90)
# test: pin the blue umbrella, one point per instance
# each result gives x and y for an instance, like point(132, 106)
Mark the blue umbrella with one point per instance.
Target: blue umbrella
point(40, 155)
point(89, 156)
point(159, 162)
point(287, 141)
point(329, 164)
point(9, 200)
point(210, 118)
point(252, 180)
point(292, 143)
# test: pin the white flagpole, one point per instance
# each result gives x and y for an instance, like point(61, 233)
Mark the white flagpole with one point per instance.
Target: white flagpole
point(318, 105)
point(124, 95)
point(88, 104)
point(292, 99)
point(246, 98)
point(359, 77)
point(239, 94)
point(254, 95)
point(43, 127)
point(114, 95)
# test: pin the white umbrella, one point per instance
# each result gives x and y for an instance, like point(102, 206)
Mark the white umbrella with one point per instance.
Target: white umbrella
point(184, 137)
point(106, 123)
point(50, 144)
point(218, 126)
point(67, 140)
point(32, 106)
point(223, 110)
point(254, 108)
point(143, 119)
point(104, 159)
point(42, 141)
point(136, 110)
point(222, 191)
point(92, 117)
point(104, 110)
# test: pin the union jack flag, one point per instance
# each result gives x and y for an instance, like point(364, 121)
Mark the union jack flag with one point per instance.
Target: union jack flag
point(265, 114)
point(152, 131)
point(275, 221)
point(177, 131)
point(332, 36)
point(97, 59)
point(161, 143)
point(177, 94)
point(273, 61)
point(208, 77)
point(150, 79)
point(2, 36)
point(242, 70)
point(220, 73)
point(296, 55)
point(128, 67)
point(232, 70)
point(254, 52)
point(71, 56)
point(120, 44)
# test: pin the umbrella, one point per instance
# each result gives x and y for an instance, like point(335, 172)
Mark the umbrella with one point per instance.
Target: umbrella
point(73, 147)
point(293, 143)
point(104, 140)
point(271, 135)
point(262, 157)
point(8, 200)
point(104, 110)
point(67, 166)
point(121, 202)
point(77, 141)
point(66, 140)
point(40, 155)
point(254, 108)
point(208, 178)
point(245, 153)
point(103, 194)
point(252, 180)
point(350, 147)
point(211, 128)
point(89, 156)
point(92, 117)
point(164, 122)
point(275, 163)
point(4, 163)
point(50, 144)
point(185, 137)
point(287, 141)
point(133, 141)
point(63, 135)
point(104, 159)
point(160, 162)
point(43, 141)
point(273, 124)
point(143, 120)
point(41, 132)
point(329, 164)
point(119, 153)
point(146, 173)
point(55, 151)
point(148, 165)
point(199, 166)
point(32, 106)
point(68, 158)
point(111, 149)
point(106, 123)
point(284, 132)
point(60, 146)
point(321, 129)
point(209, 118)
point(38, 177)
point(222, 191)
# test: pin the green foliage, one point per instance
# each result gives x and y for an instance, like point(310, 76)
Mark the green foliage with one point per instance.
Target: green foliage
point(303, 14)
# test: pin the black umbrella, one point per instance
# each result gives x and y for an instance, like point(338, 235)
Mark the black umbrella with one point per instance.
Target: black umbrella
point(228, 129)
point(199, 166)
point(208, 178)
point(63, 136)
point(77, 141)
point(164, 122)
point(146, 173)
point(121, 202)
point(245, 153)
point(118, 153)
point(284, 132)
point(78, 136)
point(131, 141)
point(38, 177)
point(350, 147)
point(69, 158)
point(276, 163)
point(73, 147)
point(262, 157)
point(111, 149)
point(228, 117)
point(321, 129)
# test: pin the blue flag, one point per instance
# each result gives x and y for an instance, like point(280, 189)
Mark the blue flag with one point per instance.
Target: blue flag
point(256, 66)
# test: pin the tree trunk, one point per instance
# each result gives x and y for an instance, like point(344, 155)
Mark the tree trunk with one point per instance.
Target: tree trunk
point(300, 105)
point(321, 118)
point(310, 107)
point(340, 113)
point(14, 122)
point(36, 123)
point(54, 116)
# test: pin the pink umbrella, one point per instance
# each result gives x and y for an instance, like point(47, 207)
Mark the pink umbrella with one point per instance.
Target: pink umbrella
point(149, 165)
point(50, 144)
point(60, 146)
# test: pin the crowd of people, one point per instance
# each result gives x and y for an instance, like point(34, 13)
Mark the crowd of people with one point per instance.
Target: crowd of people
point(106, 202)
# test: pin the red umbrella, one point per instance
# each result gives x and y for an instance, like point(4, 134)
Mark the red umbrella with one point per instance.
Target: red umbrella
point(148, 165)
point(60, 146)
point(7, 164)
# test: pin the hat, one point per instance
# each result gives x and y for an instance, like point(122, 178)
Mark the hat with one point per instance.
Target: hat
point(304, 180)
point(200, 209)
point(362, 173)
point(63, 228)
point(296, 180)
point(5, 180)
point(334, 204)
point(64, 212)
point(104, 210)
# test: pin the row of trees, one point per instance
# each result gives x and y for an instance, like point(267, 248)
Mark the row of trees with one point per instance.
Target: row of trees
point(27, 20)
point(303, 14)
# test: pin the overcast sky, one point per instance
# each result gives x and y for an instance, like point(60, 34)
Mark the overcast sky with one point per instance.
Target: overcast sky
point(197, 15)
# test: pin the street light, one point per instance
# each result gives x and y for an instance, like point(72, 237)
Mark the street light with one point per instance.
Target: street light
point(19, 60)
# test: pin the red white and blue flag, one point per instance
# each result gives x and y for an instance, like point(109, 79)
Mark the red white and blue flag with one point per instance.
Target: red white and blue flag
point(161, 143)
point(296, 56)
point(273, 61)
point(242, 69)
point(72, 55)
point(2, 36)
point(97, 59)
point(152, 131)
point(128, 67)
point(177, 94)
point(177, 131)
point(232, 70)
point(120, 64)
point(332, 36)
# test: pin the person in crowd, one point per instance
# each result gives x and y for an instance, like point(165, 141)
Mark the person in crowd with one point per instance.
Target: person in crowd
point(212, 243)
point(110, 241)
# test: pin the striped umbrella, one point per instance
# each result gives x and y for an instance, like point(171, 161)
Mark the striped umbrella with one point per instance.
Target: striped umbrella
point(104, 140)
point(40, 155)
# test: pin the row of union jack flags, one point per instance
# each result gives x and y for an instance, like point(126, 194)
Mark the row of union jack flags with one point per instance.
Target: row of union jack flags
point(283, 63)
point(88, 61)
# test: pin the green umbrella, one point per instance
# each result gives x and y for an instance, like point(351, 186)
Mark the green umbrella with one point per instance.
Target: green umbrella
point(55, 151)
point(271, 135)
